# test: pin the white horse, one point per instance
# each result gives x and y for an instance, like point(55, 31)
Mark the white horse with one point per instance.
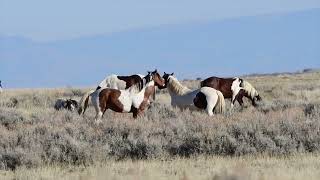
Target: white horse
point(204, 98)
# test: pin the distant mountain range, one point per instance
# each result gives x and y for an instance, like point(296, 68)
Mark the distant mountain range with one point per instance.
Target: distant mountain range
point(260, 44)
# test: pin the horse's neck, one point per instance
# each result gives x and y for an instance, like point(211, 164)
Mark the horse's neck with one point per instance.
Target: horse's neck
point(149, 91)
point(134, 90)
point(176, 88)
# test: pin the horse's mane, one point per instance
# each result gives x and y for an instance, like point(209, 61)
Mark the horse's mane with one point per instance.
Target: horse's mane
point(175, 86)
point(252, 92)
point(141, 84)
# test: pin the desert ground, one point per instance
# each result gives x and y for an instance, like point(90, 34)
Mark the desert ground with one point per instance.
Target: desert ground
point(279, 139)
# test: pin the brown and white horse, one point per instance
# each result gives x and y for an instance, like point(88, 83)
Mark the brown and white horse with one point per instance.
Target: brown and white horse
point(234, 88)
point(204, 98)
point(133, 100)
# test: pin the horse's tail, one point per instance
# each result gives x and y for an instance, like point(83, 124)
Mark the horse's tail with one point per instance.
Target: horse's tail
point(221, 104)
point(83, 104)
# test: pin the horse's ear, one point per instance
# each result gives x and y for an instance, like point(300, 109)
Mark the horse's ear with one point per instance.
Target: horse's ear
point(172, 74)
point(156, 71)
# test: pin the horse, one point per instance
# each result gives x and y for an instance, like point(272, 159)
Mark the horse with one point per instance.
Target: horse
point(234, 88)
point(1, 87)
point(204, 98)
point(120, 82)
point(68, 104)
point(113, 82)
point(132, 100)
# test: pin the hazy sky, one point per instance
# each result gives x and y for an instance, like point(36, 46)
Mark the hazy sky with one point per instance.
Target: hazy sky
point(44, 20)
point(78, 42)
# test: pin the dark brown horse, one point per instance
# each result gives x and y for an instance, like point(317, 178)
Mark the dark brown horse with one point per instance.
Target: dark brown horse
point(228, 86)
point(133, 100)
point(69, 104)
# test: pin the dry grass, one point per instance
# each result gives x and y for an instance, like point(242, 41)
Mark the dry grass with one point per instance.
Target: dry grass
point(34, 135)
point(295, 167)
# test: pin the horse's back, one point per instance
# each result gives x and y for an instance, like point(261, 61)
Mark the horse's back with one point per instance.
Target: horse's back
point(210, 82)
point(221, 84)
point(59, 104)
point(210, 93)
point(185, 100)
point(112, 81)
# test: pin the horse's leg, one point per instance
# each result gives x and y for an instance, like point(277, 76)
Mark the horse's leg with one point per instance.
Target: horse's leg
point(240, 99)
point(134, 112)
point(139, 113)
point(209, 109)
point(98, 117)
point(85, 105)
point(98, 108)
point(233, 100)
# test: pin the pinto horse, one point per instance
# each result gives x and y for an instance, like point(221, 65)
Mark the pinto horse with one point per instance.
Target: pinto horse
point(234, 88)
point(133, 100)
point(204, 98)
point(0, 87)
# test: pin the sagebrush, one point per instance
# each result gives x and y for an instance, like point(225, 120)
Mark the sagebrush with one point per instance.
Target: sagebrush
point(33, 134)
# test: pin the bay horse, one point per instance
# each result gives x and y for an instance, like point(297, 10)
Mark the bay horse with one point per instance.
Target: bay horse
point(234, 88)
point(132, 100)
point(204, 98)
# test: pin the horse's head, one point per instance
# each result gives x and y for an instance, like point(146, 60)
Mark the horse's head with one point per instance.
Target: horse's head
point(71, 104)
point(258, 98)
point(251, 92)
point(166, 78)
point(158, 80)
